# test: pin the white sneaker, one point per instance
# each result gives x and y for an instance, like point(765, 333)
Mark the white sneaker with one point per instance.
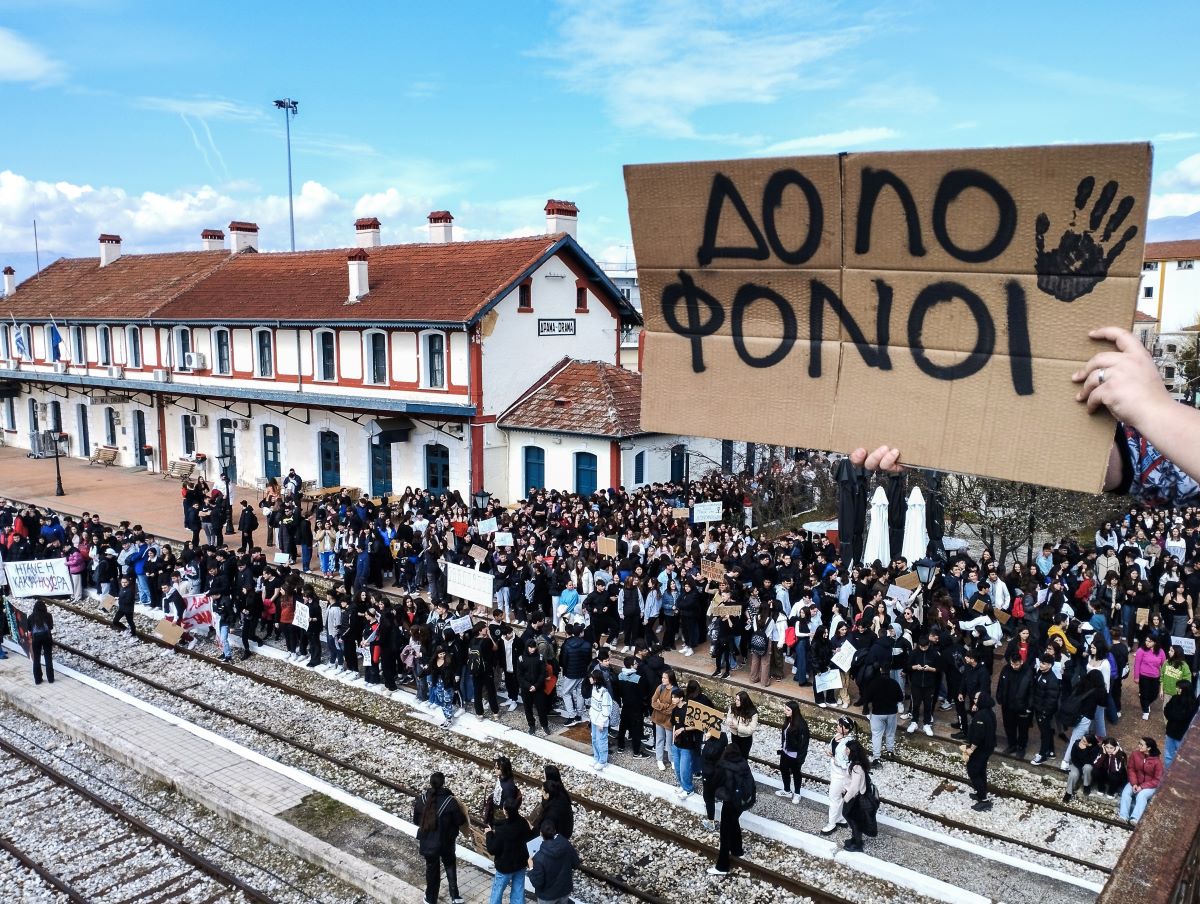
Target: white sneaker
point(682, 794)
point(912, 729)
point(662, 767)
point(928, 729)
point(782, 793)
point(795, 798)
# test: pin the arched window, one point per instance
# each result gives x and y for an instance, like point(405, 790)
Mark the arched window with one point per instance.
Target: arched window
point(55, 410)
point(535, 468)
point(103, 346)
point(433, 364)
point(133, 346)
point(189, 433)
point(326, 355)
point(26, 341)
point(639, 468)
point(375, 357)
point(110, 426)
point(5, 343)
point(264, 353)
point(585, 473)
point(78, 347)
point(181, 337)
point(270, 451)
point(34, 422)
point(222, 354)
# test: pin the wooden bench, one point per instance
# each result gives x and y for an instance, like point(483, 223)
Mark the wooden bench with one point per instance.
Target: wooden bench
point(103, 455)
point(179, 470)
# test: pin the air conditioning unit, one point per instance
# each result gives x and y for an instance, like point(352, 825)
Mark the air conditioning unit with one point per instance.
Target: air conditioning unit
point(161, 375)
point(240, 423)
point(198, 420)
point(116, 371)
point(195, 361)
point(60, 367)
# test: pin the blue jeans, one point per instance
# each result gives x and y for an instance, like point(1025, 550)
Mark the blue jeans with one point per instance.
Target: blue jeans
point(1169, 750)
point(143, 590)
point(1084, 726)
point(443, 697)
point(599, 743)
point(800, 652)
point(1139, 806)
point(335, 650)
point(1098, 721)
point(466, 686)
point(327, 560)
point(228, 651)
point(504, 880)
point(306, 557)
point(1128, 616)
point(681, 759)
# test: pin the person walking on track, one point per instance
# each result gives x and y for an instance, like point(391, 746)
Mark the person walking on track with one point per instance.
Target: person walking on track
point(41, 627)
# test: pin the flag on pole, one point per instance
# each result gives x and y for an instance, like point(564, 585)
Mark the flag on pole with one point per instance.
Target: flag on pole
point(22, 348)
point(55, 341)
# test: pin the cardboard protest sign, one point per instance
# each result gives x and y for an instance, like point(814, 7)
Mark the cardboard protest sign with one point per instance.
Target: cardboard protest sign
point(844, 657)
point(680, 513)
point(478, 553)
point(469, 584)
point(281, 558)
point(828, 681)
point(300, 615)
point(712, 569)
point(38, 577)
point(704, 512)
point(1187, 644)
point(704, 718)
point(908, 580)
point(831, 289)
point(168, 631)
point(607, 546)
point(900, 594)
point(108, 603)
point(504, 538)
point(727, 611)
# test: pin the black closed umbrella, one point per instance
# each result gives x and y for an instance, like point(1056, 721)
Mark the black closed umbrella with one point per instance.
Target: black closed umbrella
point(935, 515)
point(852, 510)
point(896, 486)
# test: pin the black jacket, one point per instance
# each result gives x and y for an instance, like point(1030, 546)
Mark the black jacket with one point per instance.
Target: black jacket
point(531, 671)
point(982, 733)
point(506, 844)
point(450, 818)
point(574, 657)
point(556, 810)
point(882, 696)
point(1179, 712)
point(794, 737)
point(247, 521)
point(974, 679)
point(552, 866)
point(1014, 689)
point(1047, 688)
point(919, 679)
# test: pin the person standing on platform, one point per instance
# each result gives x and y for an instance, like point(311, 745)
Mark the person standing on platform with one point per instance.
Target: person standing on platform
point(793, 751)
point(41, 627)
point(736, 790)
point(552, 866)
point(600, 714)
point(506, 842)
point(981, 743)
point(839, 771)
point(857, 804)
point(126, 597)
point(439, 818)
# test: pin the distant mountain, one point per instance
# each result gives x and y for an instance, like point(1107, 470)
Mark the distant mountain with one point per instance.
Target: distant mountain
point(1172, 229)
point(25, 262)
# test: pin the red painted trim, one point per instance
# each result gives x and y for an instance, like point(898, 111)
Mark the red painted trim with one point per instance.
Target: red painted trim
point(476, 457)
point(160, 412)
point(641, 347)
point(614, 464)
point(475, 366)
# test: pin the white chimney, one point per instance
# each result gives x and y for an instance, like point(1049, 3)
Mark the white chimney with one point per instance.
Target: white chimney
point(10, 281)
point(366, 232)
point(213, 240)
point(441, 226)
point(358, 275)
point(243, 236)
point(110, 249)
point(561, 216)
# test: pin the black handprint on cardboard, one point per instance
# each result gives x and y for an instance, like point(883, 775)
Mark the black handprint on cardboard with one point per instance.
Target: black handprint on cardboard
point(1080, 261)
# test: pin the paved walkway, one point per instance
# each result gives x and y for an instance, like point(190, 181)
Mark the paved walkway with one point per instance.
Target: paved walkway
point(237, 783)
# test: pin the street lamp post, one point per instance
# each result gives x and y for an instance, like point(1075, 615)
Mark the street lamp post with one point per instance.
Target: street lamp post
point(226, 461)
point(58, 487)
point(480, 498)
point(288, 106)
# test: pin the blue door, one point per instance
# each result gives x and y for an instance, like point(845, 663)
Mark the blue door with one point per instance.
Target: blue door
point(139, 437)
point(270, 451)
point(535, 468)
point(381, 469)
point(585, 473)
point(331, 458)
point(679, 463)
point(225, 448)
point(437, 469)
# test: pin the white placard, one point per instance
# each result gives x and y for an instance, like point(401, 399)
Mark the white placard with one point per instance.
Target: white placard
point(899, 594)
point(704, 512)
point(40, 577)
point(829, 681)
point(281, 558)
point(844, 656)
point(469, 584)
point(504, 538)
point(487, 526)
point(1187, 644)
point(460, 625)
point(300, 615)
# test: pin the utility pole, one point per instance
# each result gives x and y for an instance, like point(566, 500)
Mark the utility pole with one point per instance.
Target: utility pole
point(288, 106)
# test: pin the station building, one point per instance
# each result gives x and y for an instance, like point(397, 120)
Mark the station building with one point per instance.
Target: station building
point(373, 366)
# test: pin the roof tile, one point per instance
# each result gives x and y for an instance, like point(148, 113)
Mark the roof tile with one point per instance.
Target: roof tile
point(589, 397)
point(1185, 249)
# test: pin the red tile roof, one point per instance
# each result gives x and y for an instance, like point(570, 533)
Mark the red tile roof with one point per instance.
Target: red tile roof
point(1186, 249)
point(1142, 317)
point(132, 287)
point(451, 281)
point(586, 397)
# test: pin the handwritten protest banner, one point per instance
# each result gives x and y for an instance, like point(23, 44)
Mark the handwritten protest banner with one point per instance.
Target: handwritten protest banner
point(680, 513)
point(504, 538)
point(38, 577)
point(488, 526)
point(1187, 644)
point(704, 718)
point(712, 569)
point(704, 512)
point(300, 615)
point(469, 584)
point(964, 281)
point(478, 553)
point(198, 614)
point(727, 611)
point(844, 657)
point(460, 625)
point(828, 681)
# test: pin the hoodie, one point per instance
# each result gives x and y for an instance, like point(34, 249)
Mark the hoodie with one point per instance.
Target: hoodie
point(552, 866)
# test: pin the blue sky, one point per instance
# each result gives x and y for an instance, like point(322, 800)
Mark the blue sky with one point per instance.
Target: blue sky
point(155, 120)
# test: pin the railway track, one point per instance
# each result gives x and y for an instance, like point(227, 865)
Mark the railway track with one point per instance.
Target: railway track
point(626, 879)
point(673, 837)
point(91, 850)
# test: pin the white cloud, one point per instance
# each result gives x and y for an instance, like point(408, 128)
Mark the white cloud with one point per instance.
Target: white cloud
point(656, 66)
point(391, 204)
point(201, 107)
point(831, 141)
point(1184, 175)
point(1176, 136)
point(21, 61)
point(1174, 204)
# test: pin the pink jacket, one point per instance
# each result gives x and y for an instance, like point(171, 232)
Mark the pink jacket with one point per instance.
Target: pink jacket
point(1147, 664)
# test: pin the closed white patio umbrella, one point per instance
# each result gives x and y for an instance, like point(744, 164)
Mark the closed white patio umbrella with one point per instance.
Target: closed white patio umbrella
point(878, 545)
point(916, 537)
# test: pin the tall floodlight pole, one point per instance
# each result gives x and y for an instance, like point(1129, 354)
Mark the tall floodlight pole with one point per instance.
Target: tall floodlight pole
point(288, 106)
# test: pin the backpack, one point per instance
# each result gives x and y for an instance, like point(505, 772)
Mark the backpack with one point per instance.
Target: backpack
point(475, 661)
point(758, 643)
point(745, 788)
point(714, 630)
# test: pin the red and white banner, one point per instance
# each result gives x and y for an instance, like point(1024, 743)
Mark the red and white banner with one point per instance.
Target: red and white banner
point(198, 616)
